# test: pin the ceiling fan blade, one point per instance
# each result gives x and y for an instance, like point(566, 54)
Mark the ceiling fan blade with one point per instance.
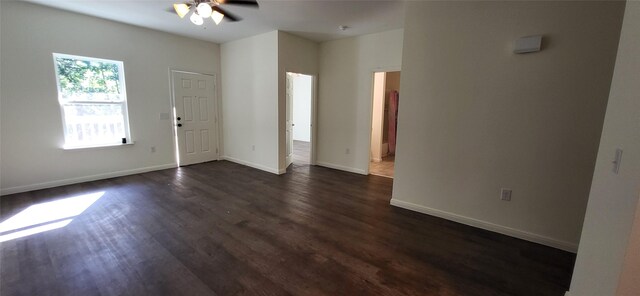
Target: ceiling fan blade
point(172, 9)
point(253, 3)
point(227, 16)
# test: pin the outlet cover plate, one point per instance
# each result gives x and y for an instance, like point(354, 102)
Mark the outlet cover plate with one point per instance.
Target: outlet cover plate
point(505, 194)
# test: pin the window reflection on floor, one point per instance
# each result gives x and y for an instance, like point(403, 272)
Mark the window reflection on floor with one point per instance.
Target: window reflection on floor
point(46, 216)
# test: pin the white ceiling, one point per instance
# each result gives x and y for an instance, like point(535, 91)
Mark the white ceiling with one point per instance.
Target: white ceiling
point(316, 20)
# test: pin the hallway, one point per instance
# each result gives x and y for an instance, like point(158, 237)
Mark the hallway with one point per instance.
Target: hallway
point(301, 152)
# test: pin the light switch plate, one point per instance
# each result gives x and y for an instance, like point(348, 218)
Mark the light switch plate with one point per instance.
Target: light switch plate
point(617, 160)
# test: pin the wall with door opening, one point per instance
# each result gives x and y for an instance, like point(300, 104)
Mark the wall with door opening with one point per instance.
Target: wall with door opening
point(38, 160)
point(296, 55)
point(344, 96)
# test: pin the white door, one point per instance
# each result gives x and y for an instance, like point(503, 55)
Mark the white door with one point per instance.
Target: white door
point(195, 117)
point(289, 120)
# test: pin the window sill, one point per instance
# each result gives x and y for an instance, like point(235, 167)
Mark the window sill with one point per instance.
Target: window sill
point(106, 146)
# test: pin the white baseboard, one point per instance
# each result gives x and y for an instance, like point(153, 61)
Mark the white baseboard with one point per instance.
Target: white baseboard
point(521, 234)
point(254, 165)
point(342, 168)
point(56, 183)
point(376, 159)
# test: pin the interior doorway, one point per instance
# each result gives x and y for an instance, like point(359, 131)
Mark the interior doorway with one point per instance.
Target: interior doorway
point(194, 113)
point(384, 123)
point(299, 123)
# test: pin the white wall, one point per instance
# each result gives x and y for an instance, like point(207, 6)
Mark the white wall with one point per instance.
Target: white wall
point(31, 124)
point(250, 101)
point(474, 117)
point(302, 107)
point(297, 55)
point(345, 96)
point(630, 275)
point(613, 198)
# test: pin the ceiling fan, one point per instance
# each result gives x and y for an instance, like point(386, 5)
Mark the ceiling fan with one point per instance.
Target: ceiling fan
point(203, 9)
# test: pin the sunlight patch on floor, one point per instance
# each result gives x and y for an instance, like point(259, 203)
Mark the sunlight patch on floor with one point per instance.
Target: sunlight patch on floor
point(46, 216)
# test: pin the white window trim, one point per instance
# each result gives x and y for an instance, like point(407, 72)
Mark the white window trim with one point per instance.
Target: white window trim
point(124, 103)
point(70, 148)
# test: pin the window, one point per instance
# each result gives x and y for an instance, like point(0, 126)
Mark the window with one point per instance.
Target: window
point(93, 101)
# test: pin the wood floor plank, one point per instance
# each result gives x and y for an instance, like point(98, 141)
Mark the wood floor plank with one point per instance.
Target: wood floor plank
point(220, 228)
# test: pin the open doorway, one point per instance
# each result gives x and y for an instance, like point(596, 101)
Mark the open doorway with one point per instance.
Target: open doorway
point(299, 118)
point(384, 123)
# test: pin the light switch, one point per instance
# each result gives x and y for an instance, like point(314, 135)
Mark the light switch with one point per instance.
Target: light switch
point(617, 160)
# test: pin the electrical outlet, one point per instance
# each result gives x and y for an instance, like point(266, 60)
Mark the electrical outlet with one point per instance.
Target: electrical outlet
point(347, 151)
point(505, 194)
point(153, 149)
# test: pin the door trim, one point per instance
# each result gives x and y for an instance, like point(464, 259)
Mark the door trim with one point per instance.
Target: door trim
point(172, 102)
point(288, 119)
point(314, 126)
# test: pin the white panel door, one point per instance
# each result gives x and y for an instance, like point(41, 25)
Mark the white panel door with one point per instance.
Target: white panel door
point(195, 117)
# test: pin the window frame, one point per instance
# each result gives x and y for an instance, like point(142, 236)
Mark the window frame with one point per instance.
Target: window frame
point(124, 103)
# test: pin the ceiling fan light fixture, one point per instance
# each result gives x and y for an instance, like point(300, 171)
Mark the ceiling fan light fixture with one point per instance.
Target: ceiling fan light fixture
point(204, 10)
point(217, 17)
point(181, 9)
point(196, 19)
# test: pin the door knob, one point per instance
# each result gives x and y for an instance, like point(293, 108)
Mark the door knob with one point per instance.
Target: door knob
point(178, 118)
point(179, 124)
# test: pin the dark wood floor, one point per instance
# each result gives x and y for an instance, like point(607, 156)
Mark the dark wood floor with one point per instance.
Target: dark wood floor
point(224, 229)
